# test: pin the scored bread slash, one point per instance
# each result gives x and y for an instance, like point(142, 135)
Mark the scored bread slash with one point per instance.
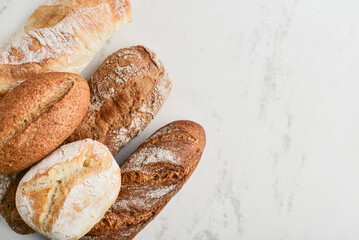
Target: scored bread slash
point(151, 176)
point(37, 116)
point(60, 36)
point(69, 191)
point(127, 91)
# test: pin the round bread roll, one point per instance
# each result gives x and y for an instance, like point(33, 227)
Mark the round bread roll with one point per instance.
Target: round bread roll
point(69, 191)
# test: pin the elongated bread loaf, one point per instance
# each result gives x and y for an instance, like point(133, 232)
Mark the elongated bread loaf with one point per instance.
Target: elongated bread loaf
point(69, 191)
point(151, 176)
point(60, 36)
point(129, 88)
point(37, 116)
point(127, 91)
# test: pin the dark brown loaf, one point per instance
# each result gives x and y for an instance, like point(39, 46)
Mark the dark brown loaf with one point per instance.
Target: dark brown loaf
point(127, 91)
point(151, 176)
point(37, 116)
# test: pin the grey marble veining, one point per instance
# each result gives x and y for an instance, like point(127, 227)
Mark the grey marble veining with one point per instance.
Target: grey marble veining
point(275, 85)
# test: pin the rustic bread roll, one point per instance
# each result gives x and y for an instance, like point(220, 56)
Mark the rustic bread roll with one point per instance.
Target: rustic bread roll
point(106, 117)
point(60, 36)
point(37, 116)
point(68, 192)
point(127, 91)
point(151, 176)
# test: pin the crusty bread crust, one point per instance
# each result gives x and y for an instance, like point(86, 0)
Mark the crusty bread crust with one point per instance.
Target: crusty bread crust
point(37, 116)
point(69, 191)
point(60, 36)
point(151, 176)
point(127, 91)
point(140, 91)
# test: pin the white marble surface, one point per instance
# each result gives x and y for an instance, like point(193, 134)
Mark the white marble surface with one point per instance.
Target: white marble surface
point(275, 84)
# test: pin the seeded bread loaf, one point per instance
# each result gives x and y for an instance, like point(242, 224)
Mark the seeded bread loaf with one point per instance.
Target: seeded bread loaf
point(127, 91)
point(37, 116)
point(151, 176)
point(69, 191)
point(60, 36)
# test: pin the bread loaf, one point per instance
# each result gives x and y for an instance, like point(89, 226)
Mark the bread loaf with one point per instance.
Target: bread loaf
point(60, 36)
point(107, 119)
point(151, 176)
point(37, 116)
point(127, 91)
point(69, 191)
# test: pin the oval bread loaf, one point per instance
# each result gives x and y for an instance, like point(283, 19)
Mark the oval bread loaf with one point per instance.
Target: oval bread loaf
point(151, 176)
point(69, 191)
point(37, 116)
point(127, 91)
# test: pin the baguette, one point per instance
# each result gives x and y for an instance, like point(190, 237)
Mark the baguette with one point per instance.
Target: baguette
point(127, 91)
point(37, 116)
point(151, 176)
point(60, 36)
point(145, 87)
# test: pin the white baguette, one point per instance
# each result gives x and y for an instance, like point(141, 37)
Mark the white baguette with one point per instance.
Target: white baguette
point(60, 36)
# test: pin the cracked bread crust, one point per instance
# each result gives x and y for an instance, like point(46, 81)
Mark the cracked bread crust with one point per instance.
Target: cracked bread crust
point(151, 176)
point(127, 91)
point(68, 192)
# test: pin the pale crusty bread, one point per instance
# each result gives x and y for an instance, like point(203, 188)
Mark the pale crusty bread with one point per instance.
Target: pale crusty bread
point(60, 36)
point(127, 91)
point(118, 100)
point(69, 191)
point(37, 116)
point(151, 176)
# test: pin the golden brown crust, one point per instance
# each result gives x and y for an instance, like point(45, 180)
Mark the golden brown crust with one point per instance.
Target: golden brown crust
point(37, 116)
point(62, 197)
point(127, 91)
point(151, 176)
point(60, 36)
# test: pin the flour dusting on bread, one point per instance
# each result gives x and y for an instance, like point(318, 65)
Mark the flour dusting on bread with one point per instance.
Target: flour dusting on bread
point(127, 91)
point(150, 155)
point(144, 197)
point(66, 194)
point(61, 36)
